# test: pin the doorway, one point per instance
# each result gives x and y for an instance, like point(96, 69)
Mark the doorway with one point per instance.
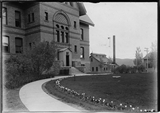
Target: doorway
point(67, 59)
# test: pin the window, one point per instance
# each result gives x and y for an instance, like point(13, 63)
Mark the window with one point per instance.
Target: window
point(81, 34)
point(96, 68)
point(67, 40)
point(4, 15)
point(6, 44)
point(82, 52)
point(75, 24)
point(58, 38)
point(19, 45)
point(17, 19)
point(104, 69)
point(30, 46)
point(57, 26)
point(32, 17)
point(62, 27)
point(62, 35)
point(75, 49)
point(46, 16)
point(66, 28)
point(92, 68)
point(29, 20)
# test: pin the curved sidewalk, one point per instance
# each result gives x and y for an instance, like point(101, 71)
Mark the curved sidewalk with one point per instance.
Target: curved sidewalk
point(35, 99)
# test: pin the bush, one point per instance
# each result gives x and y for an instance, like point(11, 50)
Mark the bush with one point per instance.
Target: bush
point(25, 68)
point(64, 72)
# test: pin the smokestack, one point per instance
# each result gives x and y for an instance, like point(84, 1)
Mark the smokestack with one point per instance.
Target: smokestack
point(114, 50)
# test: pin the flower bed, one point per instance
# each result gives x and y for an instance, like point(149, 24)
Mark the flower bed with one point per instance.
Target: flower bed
point(110, 105)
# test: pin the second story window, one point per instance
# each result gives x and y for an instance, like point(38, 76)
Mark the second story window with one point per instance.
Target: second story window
point(75, 49)
point(46, 16)
point(62, 35)
point(29, 18)
point(17, 19)
point(18, 45)
point(75, 26)
point(67, 39)
point(81, 34)
point(58, 38)
point(6, 44)
point(32, 17)
point(4, 15)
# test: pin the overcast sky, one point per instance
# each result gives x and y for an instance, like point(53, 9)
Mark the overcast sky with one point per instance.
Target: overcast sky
point(133, 24)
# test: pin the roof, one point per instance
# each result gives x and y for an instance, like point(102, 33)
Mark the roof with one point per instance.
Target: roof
point(85, 19)
point(149, 55)
point(82, 9)
point(99, 58)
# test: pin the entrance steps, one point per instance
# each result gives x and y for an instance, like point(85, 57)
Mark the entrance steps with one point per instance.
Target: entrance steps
point(74, 71)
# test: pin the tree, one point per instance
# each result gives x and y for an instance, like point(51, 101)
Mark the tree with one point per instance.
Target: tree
point(42, 56)
point(153, 55)
point(139, 57)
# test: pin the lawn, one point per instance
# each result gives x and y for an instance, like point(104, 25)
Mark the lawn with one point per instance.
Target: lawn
point(12, 102)
point(138, 90)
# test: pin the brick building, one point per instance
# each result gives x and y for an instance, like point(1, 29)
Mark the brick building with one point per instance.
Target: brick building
point(25, 24)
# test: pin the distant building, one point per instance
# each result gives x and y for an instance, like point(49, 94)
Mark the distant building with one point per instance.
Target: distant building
point(151, 67)
point(99, 63)
point(25, 24)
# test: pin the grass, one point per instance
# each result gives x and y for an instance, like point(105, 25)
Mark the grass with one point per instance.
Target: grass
point(138, 90)
point(12, 101)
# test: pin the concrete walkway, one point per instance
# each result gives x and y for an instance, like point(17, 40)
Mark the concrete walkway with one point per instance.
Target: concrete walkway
point(35, 99)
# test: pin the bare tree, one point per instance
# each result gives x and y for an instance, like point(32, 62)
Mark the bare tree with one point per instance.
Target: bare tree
point(139, 57)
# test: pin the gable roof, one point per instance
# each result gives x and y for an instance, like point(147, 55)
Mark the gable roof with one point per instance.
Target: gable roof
point(149, 55)
point(85, 19)
point(99, 58)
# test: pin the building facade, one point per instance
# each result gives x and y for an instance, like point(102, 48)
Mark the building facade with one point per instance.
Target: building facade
point(25, 24)
point(99, 63)
point(150, 62)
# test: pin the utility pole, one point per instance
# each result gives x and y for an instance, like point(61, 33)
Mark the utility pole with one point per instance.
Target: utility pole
point(146, 49)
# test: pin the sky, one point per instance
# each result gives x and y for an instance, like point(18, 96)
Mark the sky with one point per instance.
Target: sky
point(133, 24)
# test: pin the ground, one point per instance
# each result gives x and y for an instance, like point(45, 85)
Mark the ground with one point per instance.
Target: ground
point(138, 90)
point(12, 101)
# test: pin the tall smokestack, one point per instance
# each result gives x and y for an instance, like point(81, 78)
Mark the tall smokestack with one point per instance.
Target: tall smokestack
point(114, 50)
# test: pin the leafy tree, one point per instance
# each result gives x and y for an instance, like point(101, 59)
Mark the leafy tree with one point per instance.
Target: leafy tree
point(139, 57)
point(42, 56)
point(141, 68)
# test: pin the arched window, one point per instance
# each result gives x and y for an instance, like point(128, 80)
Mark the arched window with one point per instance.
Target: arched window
point(57, 26)
point(61, 27)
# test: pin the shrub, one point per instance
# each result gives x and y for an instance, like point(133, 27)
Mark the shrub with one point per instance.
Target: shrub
point(25, 68)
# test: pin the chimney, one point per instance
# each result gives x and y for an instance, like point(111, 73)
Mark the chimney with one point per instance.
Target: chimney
point(114, 50)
